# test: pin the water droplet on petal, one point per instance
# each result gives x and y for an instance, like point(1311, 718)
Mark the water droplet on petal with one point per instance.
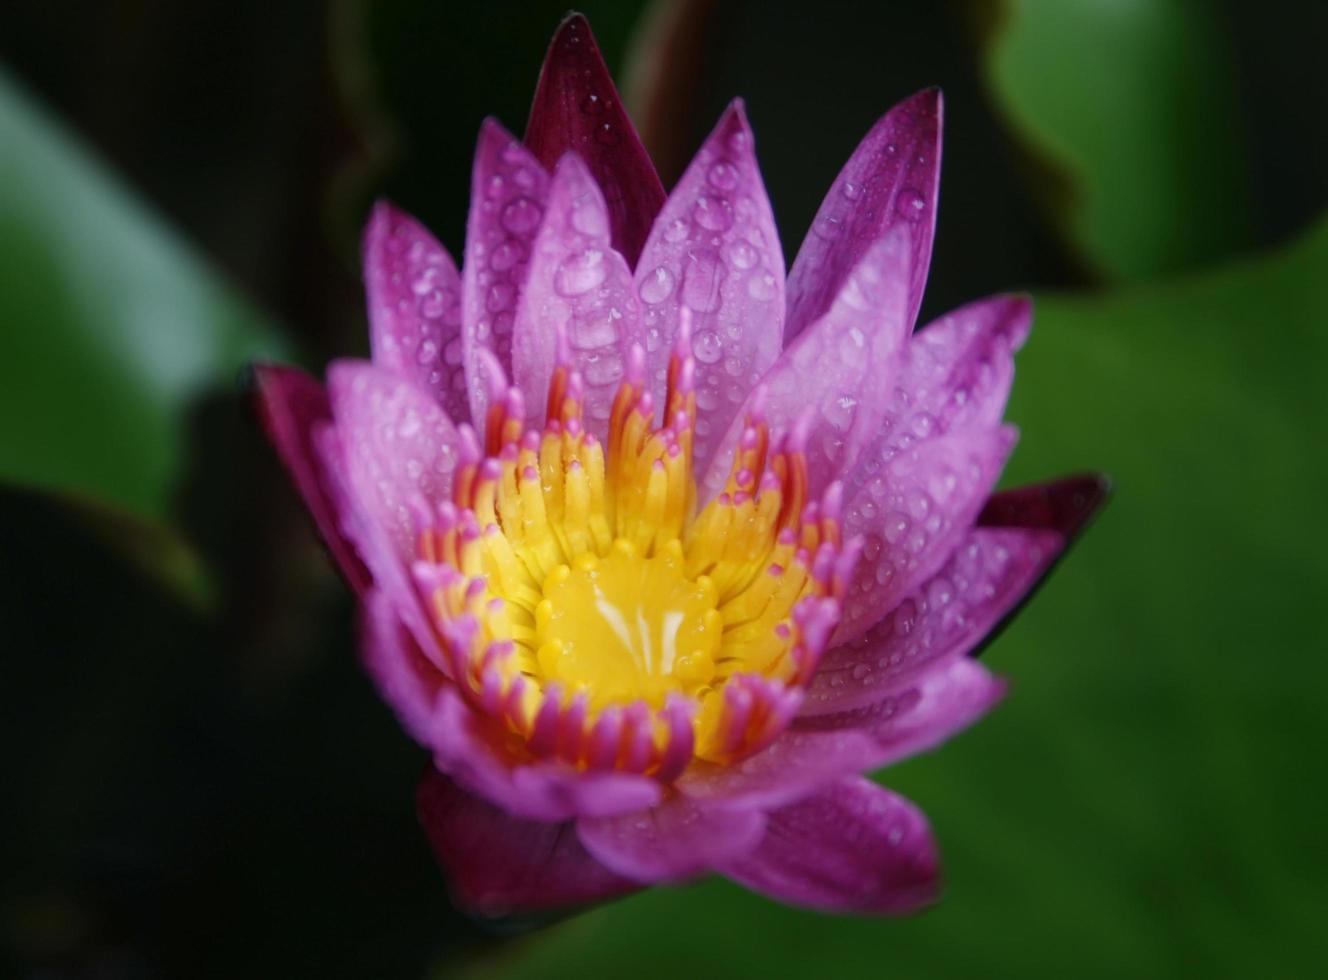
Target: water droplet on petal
point(521, 216)
point(580, 273)
point(724, 175)
point(762, 286)
point(741, 254)
point(701, 279)
point(910, 204)
point(707, 346)
point(713, 213)
point(507, 254)
point(657, 286)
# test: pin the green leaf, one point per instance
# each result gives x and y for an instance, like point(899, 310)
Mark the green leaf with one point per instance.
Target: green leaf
point(1134, 102)
point(111, 325)
point(1148, 801)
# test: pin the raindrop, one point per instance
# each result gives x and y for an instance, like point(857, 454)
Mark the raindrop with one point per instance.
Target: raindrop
point(521, 216)
point(724, 175)
point(677, 230)
point(701, 279)
point(741, 254)
point(580, 273)
point(762, 286)
point(851, 190)
point(713, 213)
point(910, 204)
point(657, 286)
point(707, 346)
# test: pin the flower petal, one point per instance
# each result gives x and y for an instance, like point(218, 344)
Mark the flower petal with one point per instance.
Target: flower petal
point(675, 840)
point(890, 180)
point(817, 750)
point(954, 373)
point(912, 515)
point(1065, 505)
point(507, 191)
point(406, 679)
point(577, 108)
point(577, 283)
point(414, 299)
point(474, 751)
point(839, 373)
point(945, 618)
point(291, 404)
point(714, 250)
point(853, 847)
point(499, 864)
point(398, 442)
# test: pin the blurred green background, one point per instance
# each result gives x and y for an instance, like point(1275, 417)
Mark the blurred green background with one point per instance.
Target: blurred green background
point(199, 782)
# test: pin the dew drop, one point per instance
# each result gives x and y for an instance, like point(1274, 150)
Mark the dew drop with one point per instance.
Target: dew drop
point(910, 204)
point(580, 273)
point(521, 216)
point(724, 175)
point(851, 190)
point(707, 346)
point(762, 286)
point(657, 286)
point(701, 279)
point(713, 213)
point(508, 253)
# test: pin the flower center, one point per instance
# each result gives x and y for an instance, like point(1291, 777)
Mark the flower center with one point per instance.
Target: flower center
point(586, 612)
point(626, 627)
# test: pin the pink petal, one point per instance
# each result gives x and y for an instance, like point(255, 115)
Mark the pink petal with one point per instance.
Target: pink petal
point(507, 192)
point(954, 373)
point(912, 514)
point(839, 374)
point(853, 847)
point(474, 751)
point(890, 181)
point(576, 283)
point(714, 250)
point(398, 442)
point(414, 298)
point(291, 404)
point(406, 679)
point(820, 749)
point(499, 864)
point(577, 108)
point(941, 620)
point(672, 841)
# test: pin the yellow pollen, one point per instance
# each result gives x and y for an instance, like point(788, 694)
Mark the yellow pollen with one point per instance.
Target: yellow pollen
point(588, 610)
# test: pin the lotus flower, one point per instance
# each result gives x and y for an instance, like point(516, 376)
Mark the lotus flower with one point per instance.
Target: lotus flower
point(657, 548)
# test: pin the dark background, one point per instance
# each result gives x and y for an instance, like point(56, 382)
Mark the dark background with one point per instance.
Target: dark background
point(199, 782)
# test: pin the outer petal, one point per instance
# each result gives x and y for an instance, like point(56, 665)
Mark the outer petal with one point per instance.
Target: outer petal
point(675, 840)
point(839, 373)
point(469, 749)
point(890, 180)
point(945, 618)
point(414, 296)
point(398, 443)
point(818, 750)
point(577, 283)
point(507, 191)
point(291, 404)
point(577, 108)
point(853, 847)
point(714, 250)
point(912, 516)
point(954, 373)
point(407, 680)
point(500, 865)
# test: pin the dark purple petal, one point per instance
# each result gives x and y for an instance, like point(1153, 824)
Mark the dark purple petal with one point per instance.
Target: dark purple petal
point(398, 445)
point(954, 373)
point(948, 616)
point(853, 847)
point(1065, 506)
point(476, 752)
point(501, 865)
point(890, 180)
point(291, 404)
point(414, 299)
point(714, 251)
point(816, 750)
point(576, 283)
point(577, 108)
point(507, 192)
point(912, 514)
point(675, 840)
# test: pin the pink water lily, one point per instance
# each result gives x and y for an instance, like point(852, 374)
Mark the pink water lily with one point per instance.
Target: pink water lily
point(659, 549)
